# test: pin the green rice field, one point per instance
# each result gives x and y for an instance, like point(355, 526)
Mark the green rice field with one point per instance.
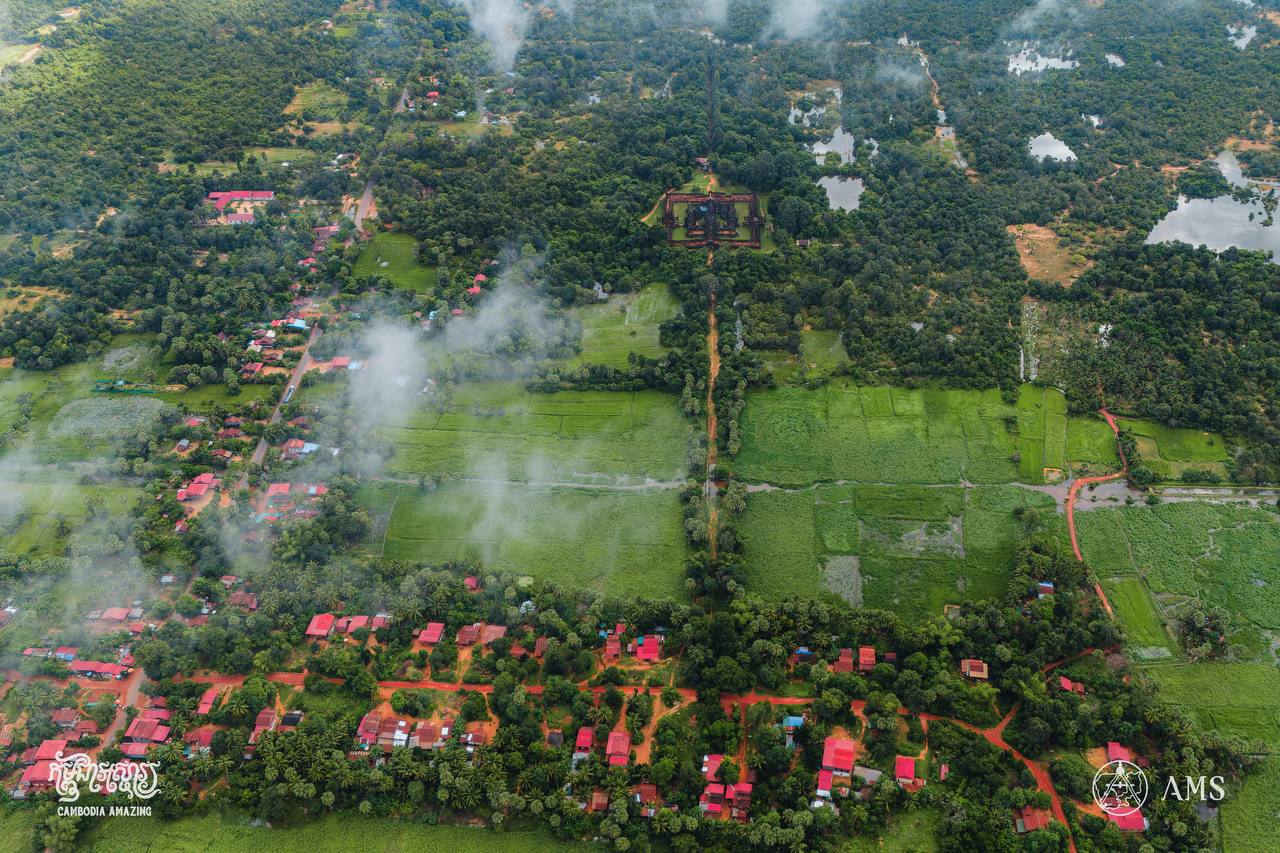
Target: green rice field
point(1223, 555)
point(34, 501)
point(1239, 700)
point(394, 256)
point(1168, 451)
point(910, 549)
point(497, 430)
point(626, 323)
point(624, 542)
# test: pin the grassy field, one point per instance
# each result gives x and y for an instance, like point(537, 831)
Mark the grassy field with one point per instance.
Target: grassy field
point(318, 100)
point(1223, 555)
point(626, 323)
point(394, 256)
point(497, 430)
point(796, 436)
point(622, 542)
point(561, 486)
point(908, 832)
point(337, 833)
point(1241, 700)
point(1144, 629)
point(822, 351)
point(34, 502)
point(1168, 451)
point(910, 549)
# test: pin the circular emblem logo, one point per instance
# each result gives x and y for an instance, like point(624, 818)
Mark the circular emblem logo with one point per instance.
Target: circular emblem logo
point(1120, 788)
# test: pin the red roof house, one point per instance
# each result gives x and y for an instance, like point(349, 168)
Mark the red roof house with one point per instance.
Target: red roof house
point(904, 772)
point(866, 658)
point(974, 668)
point(468, 635)
point(1070, 686)
point(585, 741)
point(838, 754)
point(1126, 821)
point(649, 648)
point(431, 634)
point(1029, 819)
point(207, 700)
point(711, 766)
point(618, 749)
point(612, 649)
point(321, 625)
point(845, 662)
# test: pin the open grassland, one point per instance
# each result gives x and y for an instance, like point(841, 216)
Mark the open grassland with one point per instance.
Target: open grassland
point(35, 504)
point(394, 256)
point(1052, 445)
point(1222, 555)
point(626, 323)
point(1147, 637)
point(619, 541)
point(905, 548)
point(1240, 700)
point(499, 431)
point(336, 833)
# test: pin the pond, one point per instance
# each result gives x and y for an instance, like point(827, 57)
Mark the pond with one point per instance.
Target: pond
point(1030, 59)
point(1046, 146)
point(842, 142)
point(1219, 223)
point(842, 193)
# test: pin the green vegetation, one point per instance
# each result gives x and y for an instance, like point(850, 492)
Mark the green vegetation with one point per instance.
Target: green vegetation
point(499, 430)
point(42, 509)
point(1169, 451)
point(1237, 700)
point(317, 100)
point(912, 832)
point(335, 833)
point(394, 256)
point(910, 549)
point(1144, 629)
point(620, 542)
point(1219, 555)
point(626, 323)
point(822, 352)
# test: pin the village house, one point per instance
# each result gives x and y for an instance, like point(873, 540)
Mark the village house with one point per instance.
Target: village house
point(65, 718)
point(431, 634)
point(791, 724)
point(866, 659)
point(712, 800)
point(618, 749)
point(198, 488)
point(321, 625)
point(648, 798)
point(844, 663)
point(974, 668)
point(904, 773)
point(1029, 819)
point(265, 722)
point(208, 700)
point(1069, 686)
point(837, 756)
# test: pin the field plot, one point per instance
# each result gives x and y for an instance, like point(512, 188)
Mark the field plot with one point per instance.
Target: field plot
point(498, 431)
point(394, 256)
point(1241, 700)
point(1168, 451)
point(822, 351)
point(336, 833)
point(1222, 555)
point(33, 510)
point(909, 832)
point(626, 323)
point(622, 541)
point(905, 548)
point(795, 436)
point(318, 100)
point(1052, 446)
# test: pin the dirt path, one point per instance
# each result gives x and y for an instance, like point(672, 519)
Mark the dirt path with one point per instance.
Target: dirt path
point(713, 356)
point(1075, 492)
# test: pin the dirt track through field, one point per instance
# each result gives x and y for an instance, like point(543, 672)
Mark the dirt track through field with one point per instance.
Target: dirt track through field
point(1075, 492)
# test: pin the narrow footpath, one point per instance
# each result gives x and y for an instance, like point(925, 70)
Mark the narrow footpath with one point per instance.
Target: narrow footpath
point(1075, 493)
point(713, 357)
